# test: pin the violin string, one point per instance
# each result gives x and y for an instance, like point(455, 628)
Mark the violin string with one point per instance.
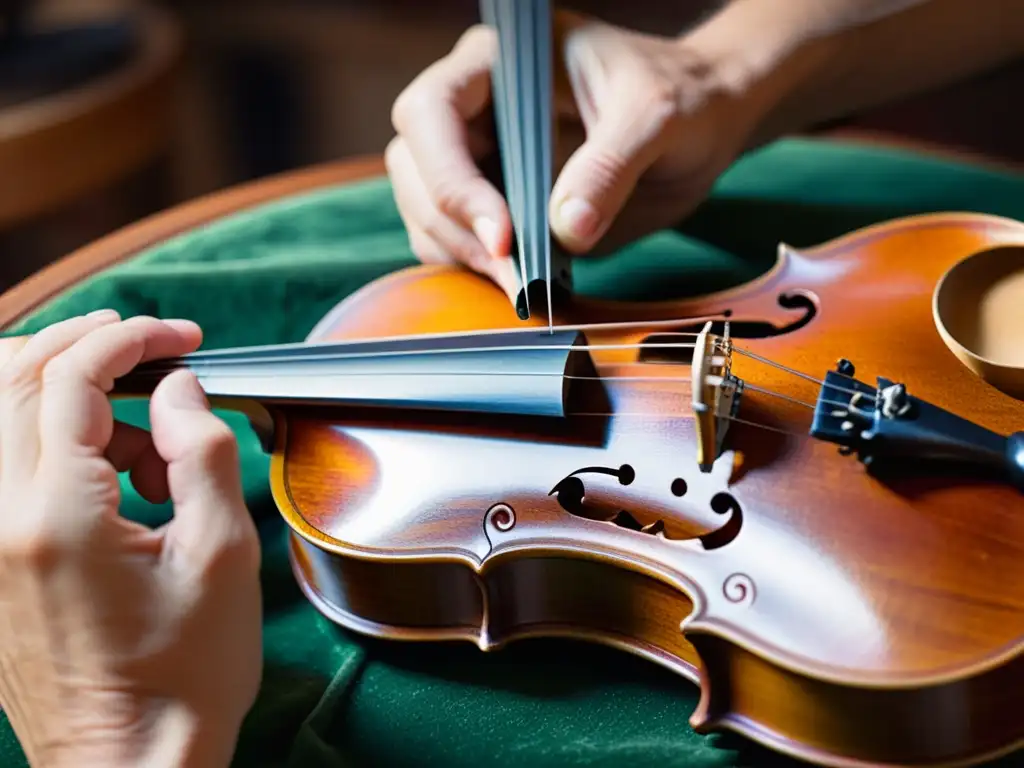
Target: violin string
point(764, 391)
point(759, 425)
point(306, 374)
point(197, 363)
point(652, 414)
point(719, 344)
point(490, 374)
point(572, 377)
point(171, 364)
point(307, 353)
point(780, 366)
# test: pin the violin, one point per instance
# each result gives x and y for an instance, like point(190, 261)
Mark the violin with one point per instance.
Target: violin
point(792, 493)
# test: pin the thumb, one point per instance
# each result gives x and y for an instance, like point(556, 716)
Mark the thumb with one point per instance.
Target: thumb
point(433, 115)
point(625, 131)
point(597, 181)
point(203, 474)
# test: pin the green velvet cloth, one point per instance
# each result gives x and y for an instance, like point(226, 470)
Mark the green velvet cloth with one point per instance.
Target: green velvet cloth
point(331, 698)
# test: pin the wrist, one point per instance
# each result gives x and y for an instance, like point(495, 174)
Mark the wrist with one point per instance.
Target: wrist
point(759, 53)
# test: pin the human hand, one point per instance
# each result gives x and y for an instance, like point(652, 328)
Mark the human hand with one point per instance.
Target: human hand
point(646, 125)
point(121, 645)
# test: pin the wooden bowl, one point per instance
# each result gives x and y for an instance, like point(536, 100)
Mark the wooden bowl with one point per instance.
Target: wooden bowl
point(978, 306)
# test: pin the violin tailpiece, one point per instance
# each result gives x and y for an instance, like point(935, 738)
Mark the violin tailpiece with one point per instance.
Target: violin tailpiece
point(888, 428)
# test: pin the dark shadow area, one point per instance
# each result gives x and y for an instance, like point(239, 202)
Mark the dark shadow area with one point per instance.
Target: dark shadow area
point(39, 64)
point(288, 694)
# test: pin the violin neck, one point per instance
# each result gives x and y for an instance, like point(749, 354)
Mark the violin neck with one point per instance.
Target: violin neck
point(514, 373)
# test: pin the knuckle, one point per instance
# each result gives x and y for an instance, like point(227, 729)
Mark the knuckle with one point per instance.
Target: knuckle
point(478, 38)
point(606, 168)
point(400, 108)
point(93, 482)
point(137, 324)
point(15, 372)
point(392, 153)
point(410, 103)
point(475, 47)
point(58, 369)
point(434, 225)
point(400, 168)
point(97, 473)
point(237, 553)
point(450, 194)
point(464, 252)
point(35, 549)
point(15, 378)
point(133, 333)
point(32, 542)
point(218, 446)
point(662, 103)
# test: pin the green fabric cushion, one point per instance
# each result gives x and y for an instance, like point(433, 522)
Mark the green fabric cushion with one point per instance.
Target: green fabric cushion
point(331, 698)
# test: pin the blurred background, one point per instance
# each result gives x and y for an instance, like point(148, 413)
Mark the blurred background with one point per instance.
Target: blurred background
point(114, 109)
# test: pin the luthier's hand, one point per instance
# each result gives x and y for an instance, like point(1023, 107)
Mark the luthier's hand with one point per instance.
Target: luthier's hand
point(644, 130)
point(121, 645)
point(646, 123)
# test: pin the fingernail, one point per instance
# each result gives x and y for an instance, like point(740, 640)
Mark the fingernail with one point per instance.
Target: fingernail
point(182, 325)
point(579, 217)
point(105, 314)
point(188, 395)
point(486, 231)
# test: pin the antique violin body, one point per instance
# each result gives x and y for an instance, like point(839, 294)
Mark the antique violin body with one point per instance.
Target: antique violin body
point(831, 551)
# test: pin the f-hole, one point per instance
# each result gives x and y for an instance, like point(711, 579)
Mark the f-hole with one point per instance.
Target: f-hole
point(570, 493)
point(681, 351)
point(724, 504)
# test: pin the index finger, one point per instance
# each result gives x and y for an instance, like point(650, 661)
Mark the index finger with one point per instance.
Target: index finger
point(24, 359)
point(432, 116)
point(433, 111)
point(75, 412)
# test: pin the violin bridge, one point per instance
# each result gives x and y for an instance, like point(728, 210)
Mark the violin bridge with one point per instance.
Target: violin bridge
point(716, 393)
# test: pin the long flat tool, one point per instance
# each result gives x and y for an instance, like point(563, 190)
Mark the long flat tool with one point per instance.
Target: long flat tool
point(523, 96)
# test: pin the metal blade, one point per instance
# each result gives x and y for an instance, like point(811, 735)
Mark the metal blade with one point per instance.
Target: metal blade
point(523, 95)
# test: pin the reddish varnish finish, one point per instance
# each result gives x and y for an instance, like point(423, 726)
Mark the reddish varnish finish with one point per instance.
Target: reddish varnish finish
point(840, 619)
point(825, 613)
